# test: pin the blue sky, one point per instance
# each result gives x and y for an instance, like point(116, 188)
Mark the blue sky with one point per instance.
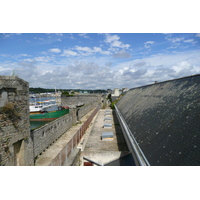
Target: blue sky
point(98, 61)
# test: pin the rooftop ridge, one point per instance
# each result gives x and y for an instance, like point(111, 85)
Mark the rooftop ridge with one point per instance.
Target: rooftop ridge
point(165, 81)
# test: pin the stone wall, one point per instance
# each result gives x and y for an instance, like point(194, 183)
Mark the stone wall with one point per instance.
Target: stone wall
point(15, 143)
point(164, 120)
point(81, 111)
point(90, 101)
point(44, 136)
point(63, 157)
point(19, 146)
point(86, 99)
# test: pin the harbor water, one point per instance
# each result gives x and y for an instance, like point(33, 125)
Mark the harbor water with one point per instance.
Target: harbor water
point(36, 124)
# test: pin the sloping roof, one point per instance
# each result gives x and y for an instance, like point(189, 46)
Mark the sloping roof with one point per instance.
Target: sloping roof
point(164, 118)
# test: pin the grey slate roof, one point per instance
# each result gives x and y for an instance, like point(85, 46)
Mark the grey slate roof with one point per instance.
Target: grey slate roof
point(165, 120)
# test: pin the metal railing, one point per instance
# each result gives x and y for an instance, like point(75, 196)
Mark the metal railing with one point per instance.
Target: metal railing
point(133, 146)
point(98, 164)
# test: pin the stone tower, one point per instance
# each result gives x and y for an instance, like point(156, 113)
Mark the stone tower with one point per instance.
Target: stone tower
point(16, 146)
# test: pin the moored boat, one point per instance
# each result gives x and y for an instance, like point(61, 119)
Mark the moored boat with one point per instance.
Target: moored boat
point(49, 116)
point(34, 108)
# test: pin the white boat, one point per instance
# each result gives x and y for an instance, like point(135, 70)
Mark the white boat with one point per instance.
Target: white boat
point(36, 108)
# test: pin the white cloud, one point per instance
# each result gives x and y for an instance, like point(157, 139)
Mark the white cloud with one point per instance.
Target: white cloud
point(84, 35)
point(55, 50)
point(192, 41)
point(182, 67)
point(97, 49)
point(119, 44)
point(122, 54)
point(23, 55)
point(8, 35)
point(159, 67)
point(28, 60)
point(174, 40)
point(198, 35)
point(71, 36)
point(37, 38)
point(69, 53)
point(4, 70)
point(113, 40)
point(59, 34)
point(188, 41)
point(38, 59)
point(148, 44)
point(88, 51)
point(94, 72)
point(106, 52)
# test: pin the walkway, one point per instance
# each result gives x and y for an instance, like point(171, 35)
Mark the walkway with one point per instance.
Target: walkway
point(104, 150)
point(111, 151)
point(57, 153)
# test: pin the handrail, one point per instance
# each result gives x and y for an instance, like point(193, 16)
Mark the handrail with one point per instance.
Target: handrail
point(131, 142)
point(92, 161)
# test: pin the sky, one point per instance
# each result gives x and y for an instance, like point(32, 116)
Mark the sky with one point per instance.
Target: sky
point(131, 50)
point(98, 60)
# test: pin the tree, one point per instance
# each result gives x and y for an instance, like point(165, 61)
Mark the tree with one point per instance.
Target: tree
point(110, 98)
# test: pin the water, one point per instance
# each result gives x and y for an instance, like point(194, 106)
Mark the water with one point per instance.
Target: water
point(36, 124)
point(35, 100)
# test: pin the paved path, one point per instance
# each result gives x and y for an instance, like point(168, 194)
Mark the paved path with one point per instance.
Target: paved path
point(102, 151)
point(49, 154)
point(91, 145)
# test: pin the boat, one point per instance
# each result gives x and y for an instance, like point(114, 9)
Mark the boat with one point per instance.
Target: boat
point(49, 116)
point(33, 96)
point(35, 108)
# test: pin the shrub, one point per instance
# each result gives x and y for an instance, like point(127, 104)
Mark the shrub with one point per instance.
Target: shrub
point(11, 111)
point(67, 94)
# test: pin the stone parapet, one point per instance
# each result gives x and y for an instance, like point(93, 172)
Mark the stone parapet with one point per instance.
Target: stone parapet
point(46, 135)
point(14, 121)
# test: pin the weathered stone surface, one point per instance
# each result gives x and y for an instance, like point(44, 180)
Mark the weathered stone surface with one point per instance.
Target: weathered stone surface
point(84, 98)
point(20, 147)
point(14, 122)
point(164, 118)
point(44, 136)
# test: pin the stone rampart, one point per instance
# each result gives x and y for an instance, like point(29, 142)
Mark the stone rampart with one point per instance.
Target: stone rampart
point(81, 111)
point(164, 120)
point(16, 145)
point(63, 157)
point(44, 136)
point(19, 146)
point(79, 99)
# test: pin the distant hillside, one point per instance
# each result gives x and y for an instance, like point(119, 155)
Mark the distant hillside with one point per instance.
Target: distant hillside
point(43, 90)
